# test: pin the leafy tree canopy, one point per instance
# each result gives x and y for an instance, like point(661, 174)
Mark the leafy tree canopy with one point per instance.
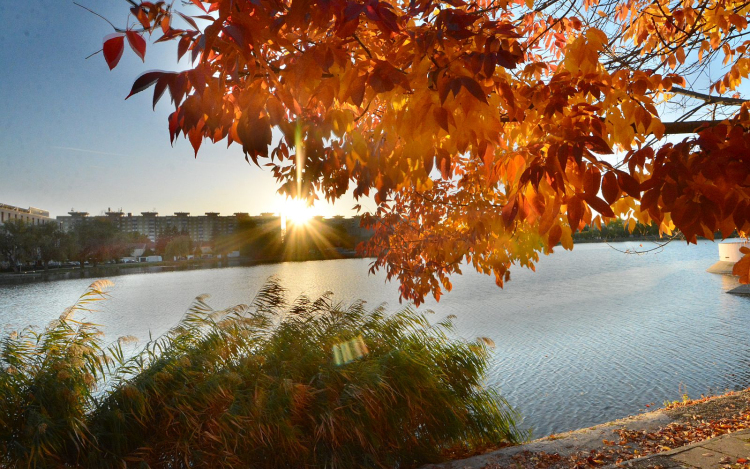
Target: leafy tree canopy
point(486, 131)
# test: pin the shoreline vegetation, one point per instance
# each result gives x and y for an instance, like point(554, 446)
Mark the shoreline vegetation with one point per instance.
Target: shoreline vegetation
point(271, 384)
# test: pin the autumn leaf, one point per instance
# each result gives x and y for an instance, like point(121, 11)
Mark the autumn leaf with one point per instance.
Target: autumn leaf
point(742, 267)
point(114, 45)
point(199, 4)
point(555, 234)
point(144, 81)
point(610, 187)
point(137, 43)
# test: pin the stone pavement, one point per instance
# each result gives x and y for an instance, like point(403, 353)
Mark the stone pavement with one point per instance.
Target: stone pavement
point(725, 451)
point(732, 450)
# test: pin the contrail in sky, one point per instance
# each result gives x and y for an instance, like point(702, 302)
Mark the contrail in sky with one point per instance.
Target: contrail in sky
point(89, 151)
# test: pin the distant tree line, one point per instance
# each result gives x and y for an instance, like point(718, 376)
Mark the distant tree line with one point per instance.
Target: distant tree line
point(616, 229)
point(93, 241)
point(97, 241)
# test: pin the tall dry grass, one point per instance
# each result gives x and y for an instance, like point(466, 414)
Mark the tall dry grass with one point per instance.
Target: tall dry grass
point(309, 383)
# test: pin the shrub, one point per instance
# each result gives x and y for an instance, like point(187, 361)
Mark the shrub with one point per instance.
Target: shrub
point(270, 384)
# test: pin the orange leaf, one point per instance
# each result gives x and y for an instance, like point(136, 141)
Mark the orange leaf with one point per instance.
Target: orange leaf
point(742, 267)
point(555, 234)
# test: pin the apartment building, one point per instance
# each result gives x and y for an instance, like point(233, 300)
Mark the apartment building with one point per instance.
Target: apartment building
point(200, 228)
point(31, 215)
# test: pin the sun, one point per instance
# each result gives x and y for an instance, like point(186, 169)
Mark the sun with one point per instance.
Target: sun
point(296, 211)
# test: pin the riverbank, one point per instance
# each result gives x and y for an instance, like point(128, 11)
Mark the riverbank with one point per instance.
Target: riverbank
point(683, 434)
point(111, 270)
point(114, 270)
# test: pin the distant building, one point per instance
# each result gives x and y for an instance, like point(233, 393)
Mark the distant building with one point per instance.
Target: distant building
point(351, 226)
point(201, 228)
point(31, 215)
point(73, 217)
point(205, 228)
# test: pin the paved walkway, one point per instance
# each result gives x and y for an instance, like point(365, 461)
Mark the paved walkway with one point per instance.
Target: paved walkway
point(732, 450)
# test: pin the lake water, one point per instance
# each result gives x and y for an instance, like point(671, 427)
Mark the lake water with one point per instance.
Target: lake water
point(592, 336)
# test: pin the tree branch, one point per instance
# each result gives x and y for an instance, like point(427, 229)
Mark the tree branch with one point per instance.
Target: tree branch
point(688, 127)
point(708, 98)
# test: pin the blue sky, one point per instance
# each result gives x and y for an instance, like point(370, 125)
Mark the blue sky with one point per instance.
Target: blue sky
point(70, 140)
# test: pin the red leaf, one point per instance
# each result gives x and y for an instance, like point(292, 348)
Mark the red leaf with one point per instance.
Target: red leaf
point(255, 135)
point(507, 93)
point(650, 199)
point(196, 138)
point(509, 212)
point(174, 128)
point(144, 81)
point(357, 89)
point(183, 46)
point(178, 88)
point(199, 4)
point(575, 212)
point(161, 86)
point(113, 48)
point(599, 205)
point(137, 43)
point(141, 16)
point(189, 20)
point(474, 88)
point(592, 179)
point(443, 89)
point(429, 163)
point(444, 163)
point(610, 189)
point(629, 185)
point(441, 116)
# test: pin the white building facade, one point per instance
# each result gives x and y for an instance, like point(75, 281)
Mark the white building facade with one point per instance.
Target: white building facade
point(31, 215)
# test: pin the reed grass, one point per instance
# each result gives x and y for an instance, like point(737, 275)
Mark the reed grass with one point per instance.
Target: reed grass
point(308, 383)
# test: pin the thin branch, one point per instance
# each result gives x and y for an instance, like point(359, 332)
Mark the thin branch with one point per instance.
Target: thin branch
point(659, 247)
point(364, 111)
point(369, 54)
point(97, 14)
point(688, 127)
point(93, 54)
point(710, 99)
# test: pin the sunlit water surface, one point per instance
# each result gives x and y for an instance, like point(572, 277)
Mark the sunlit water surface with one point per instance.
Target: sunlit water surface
point(592, 336)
